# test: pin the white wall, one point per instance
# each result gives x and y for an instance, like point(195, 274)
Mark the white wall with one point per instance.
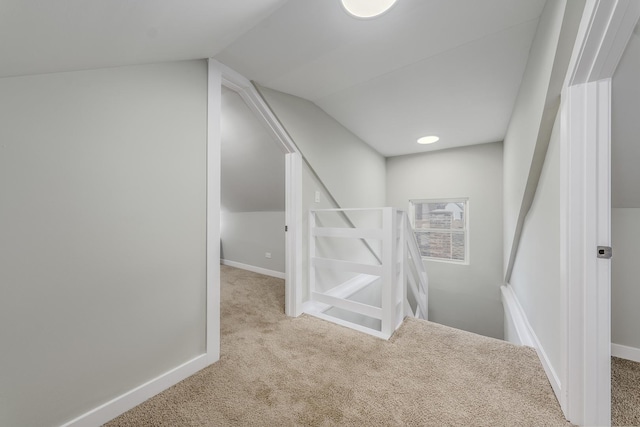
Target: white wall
point(625, 197)
point(625, 127)
point(533, 115)
point(252, 191)
point(353, 172)
point(461, 296)
point(625, 274)
point(103, 189)
point(531, 185)
point(247, 236)
point(252, 161)
point(536, 273)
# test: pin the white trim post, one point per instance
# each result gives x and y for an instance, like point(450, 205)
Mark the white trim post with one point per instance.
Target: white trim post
point(293, 211)
point(388, 302)
point(604, 32)
point(312, 255)
point(585, 210)
point(213, 214)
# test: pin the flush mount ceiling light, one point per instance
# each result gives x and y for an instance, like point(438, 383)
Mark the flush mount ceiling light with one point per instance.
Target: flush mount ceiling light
point(367, 8)
point(428, 139)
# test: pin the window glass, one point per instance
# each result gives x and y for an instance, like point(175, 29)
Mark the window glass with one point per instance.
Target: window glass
point(440, 228)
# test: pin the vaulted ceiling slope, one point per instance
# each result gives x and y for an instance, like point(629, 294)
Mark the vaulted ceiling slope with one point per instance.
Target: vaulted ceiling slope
point(450, 68)
point(445, 67)
point(44, 36)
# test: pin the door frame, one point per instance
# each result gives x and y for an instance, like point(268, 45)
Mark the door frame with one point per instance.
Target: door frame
point(221, 75)
point(585, 209)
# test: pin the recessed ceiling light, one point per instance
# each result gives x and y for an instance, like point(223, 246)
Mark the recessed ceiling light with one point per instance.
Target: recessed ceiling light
point(428, 139)
point(367, 8)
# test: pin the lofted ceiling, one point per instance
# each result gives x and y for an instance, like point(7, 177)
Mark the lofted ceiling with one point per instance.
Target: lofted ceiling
point(625, 127)
point(450, 68)
point(44, 36)
point(445, 67)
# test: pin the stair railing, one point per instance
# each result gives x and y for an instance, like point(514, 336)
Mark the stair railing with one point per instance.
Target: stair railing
point(372, 296)
point(416, 280)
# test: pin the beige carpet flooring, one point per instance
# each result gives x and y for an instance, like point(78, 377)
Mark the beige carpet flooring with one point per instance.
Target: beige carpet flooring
point(625, 392)
point(279, 371)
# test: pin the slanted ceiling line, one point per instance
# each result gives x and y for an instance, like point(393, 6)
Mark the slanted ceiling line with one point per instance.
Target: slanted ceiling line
point(315, 175)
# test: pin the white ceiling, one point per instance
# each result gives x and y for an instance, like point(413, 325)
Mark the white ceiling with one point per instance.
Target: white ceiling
point(625, 132)
point(252, 171)
point(43, 36)
point(451, 68)
point(445, 67)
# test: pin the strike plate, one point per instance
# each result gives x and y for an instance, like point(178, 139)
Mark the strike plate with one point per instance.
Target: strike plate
point(605, 252)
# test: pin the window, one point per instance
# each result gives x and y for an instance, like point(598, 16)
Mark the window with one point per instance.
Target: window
point(441, 228)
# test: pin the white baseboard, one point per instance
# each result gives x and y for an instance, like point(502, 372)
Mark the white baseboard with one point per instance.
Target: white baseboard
point(255, 269)
point(517, 330)
point(526, 336)
point(133, 398)
point(625, 352)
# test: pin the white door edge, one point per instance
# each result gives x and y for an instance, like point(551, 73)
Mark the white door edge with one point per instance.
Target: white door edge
point(585, 209)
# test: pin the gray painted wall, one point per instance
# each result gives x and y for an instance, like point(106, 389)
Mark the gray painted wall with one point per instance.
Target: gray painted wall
point(247, 236)
point(536, 272)
point(625, 128)
point(625, 197)
point(533, 116)
point(102, 247)
point(462, 296)
point(252, 161)
point(531, 177)
point(252, 188)
point(625, 271)
point(353, 172)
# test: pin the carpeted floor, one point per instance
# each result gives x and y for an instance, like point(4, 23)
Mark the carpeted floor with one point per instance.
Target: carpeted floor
point(625, 392)
point(279, 371)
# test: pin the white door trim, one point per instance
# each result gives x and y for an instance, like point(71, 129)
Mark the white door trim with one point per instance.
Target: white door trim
point(585, 208)
point(213, 214)
point(603, 35)
point(293, 202)
point(293, 181)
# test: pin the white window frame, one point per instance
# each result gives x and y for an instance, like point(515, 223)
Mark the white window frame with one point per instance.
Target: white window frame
point(465, 229)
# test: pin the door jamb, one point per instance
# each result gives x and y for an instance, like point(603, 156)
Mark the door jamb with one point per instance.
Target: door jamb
point(293, 181)
point(585, 208)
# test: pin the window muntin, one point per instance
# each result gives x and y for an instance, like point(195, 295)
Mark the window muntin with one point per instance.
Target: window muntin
point(441, 228)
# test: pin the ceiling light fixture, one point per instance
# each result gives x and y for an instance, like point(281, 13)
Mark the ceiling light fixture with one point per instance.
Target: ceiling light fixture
point(367, 8)
point(428, 140)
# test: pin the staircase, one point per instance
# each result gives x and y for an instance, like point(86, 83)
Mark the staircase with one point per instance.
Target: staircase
point(367, 278)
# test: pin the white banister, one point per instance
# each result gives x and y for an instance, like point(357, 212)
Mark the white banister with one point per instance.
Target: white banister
point(388, 326)
point(418, 280)
point(371, 291)
point(358, 233)
point(340, 265)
